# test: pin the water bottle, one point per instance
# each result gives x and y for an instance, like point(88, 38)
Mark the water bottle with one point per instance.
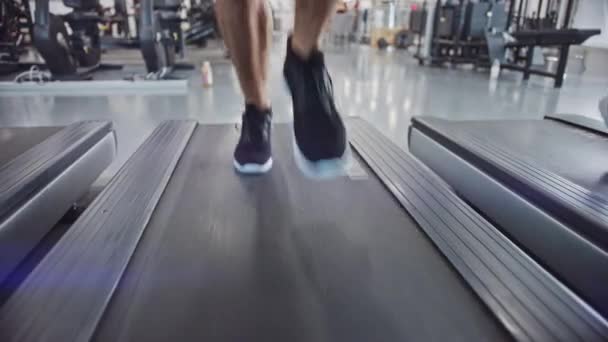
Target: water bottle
point(207, 74)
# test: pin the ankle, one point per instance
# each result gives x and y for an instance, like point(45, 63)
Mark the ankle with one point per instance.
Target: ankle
point(258, 107)
point(303, 51)
point(259, 102)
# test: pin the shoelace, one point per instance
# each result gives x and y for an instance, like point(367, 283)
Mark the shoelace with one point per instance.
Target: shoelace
point(246, 131)
point(324, 85)
point(323, 81)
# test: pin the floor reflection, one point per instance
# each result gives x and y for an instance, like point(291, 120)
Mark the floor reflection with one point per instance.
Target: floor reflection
point(385, 87)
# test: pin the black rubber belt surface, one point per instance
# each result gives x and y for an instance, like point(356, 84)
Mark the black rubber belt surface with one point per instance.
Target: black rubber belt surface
point(66, 294)
point(530, 303)
point(577, 207)
point(282, 257)
point(39, 165)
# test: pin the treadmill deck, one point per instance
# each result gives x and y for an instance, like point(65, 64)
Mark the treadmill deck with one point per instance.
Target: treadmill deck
point(284, 258)
point(180, 247)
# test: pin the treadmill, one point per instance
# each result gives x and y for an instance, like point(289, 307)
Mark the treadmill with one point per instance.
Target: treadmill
point(179, 247)
point(544, 182)
point(43, 172)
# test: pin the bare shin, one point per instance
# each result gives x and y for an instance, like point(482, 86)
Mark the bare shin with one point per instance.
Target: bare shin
point(311, 17)
point(245, 25)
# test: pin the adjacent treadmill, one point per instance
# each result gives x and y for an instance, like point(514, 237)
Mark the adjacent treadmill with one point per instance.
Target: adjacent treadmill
point(43, 171)
point(544, 182)
point(178, 247)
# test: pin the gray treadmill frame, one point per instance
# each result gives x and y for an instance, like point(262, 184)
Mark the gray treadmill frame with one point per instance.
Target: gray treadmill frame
point(530, 303)
point(27, 225)
point(79, 88)
point(580, 121)
point(571, 257)
point(527, 299)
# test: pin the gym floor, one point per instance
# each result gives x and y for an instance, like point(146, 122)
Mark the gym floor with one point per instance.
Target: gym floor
point(385, 87)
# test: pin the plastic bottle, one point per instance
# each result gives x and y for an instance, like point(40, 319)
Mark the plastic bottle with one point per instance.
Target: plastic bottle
point(207, 74)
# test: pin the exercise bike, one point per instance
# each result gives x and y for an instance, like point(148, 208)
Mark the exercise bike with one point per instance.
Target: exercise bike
point(70, 56)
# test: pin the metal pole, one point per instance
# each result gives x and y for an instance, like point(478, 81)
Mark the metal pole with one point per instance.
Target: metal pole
point(568, 14)
point(429, 27)
point(548, 10)
point(510, 15)
point(42, 13)
point(561, 65)
point(519, 9)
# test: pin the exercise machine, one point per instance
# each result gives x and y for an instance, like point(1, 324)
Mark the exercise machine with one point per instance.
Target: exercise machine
point(15, 33)
point(73, 54)
point(43, 171)
point(542, 181)
point(177, 247)
point(527, 40)
point(418, 22)
point(505, 31)
point(121, 18)
point(458, 29)
point(544, 15)
point(203, 24)
point(541, 29)
point(160, 36)
point(120, 32)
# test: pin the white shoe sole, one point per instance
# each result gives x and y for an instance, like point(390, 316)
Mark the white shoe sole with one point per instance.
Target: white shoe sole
point(253, 169)
point(324, 168)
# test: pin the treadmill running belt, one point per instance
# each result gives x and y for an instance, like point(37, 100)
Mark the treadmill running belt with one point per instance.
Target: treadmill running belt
point(283, 258)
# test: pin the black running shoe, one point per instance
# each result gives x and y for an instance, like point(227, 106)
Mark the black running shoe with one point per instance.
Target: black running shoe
point(253, 153)
point(320, 148)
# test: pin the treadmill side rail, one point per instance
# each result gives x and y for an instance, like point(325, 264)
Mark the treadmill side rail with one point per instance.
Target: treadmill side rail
point(58, 170)
point(582, 122)
point(562, 224)
point(22, 231)
point(64, 298)
point(580, 209)
point(526, 299)
point(29, 171)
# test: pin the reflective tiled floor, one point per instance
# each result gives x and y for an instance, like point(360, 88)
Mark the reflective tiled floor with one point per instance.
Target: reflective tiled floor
point(387, 88)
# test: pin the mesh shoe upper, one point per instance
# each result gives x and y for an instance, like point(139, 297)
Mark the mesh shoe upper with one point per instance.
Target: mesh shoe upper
point(254, 144)
point(318, 128)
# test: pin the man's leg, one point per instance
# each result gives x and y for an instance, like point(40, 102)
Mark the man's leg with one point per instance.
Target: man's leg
point(311, 16)
point(245, 25)
point(321, 149)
